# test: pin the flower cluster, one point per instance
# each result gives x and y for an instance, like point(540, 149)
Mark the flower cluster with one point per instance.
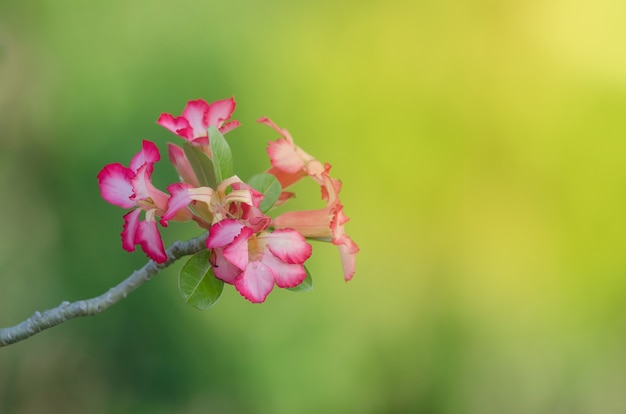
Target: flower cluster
point(246, 247)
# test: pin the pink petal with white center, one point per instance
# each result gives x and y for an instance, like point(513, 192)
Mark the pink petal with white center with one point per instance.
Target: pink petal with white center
point(149, 154)
point(144, 190)
point(149, 238)
point(115, 185)
point(348, 250)
point(237, 251)
point(255, 282)
point(142, 182)
point(284, 157)
point(288, 245)
point(182, 165)
point(223, 269)
point(223, 233)
point(129, 231)
point(286, 275)
point(196, 113)
point(219, 111)
point(178, 125)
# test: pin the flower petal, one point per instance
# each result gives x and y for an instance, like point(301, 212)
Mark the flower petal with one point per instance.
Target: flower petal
point(228, 126)
point(289, 162)
point(237, 251)
point(255, 282)
point(149, 154)
point(129, 231)
point(337, 221)
point(223, 269)
point(219, 111)
point(255, 196)
point(286, 179)
point(178, 125)
point(348, 250)
point(309, 223)
point(115, 185)
point(196, 114)
point(288, 245)
point(223, 233)
point(286, 275)
point(144, 190)
point(180, 198)
point(149, 238)
point(283, 156)
point(254, 218)
point(330, 187)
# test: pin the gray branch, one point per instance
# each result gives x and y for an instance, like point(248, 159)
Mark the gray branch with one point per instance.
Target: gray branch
point(66, 310)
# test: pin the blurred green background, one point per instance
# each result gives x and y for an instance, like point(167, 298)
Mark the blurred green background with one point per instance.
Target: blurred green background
point(482, 147)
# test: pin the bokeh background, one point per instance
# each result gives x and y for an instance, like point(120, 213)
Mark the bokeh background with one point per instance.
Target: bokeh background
point(482, 147)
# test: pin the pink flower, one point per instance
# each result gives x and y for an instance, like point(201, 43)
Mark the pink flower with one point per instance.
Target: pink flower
point(131, 187)
point(254, 262)
point(325, 224)
point(197, 116)
point(290, 163)
point(241, 202)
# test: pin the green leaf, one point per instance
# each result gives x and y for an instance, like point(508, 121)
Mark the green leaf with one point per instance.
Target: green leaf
point(222, 156)
point(306, 285)
point(269, 186)
point(201, 164)
point(197, 283)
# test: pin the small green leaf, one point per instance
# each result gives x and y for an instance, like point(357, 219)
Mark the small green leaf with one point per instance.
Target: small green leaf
point(222, 156)
point(201, 164)
point(269, 186)
point(197, 283)
point(306, 285)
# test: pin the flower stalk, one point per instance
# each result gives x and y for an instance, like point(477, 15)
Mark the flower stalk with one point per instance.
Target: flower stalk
point(41, 321)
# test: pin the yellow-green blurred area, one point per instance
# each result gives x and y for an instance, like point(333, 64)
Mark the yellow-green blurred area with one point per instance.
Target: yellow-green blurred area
point(482, 150)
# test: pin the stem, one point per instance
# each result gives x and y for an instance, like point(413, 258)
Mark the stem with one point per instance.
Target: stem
point(89, 307)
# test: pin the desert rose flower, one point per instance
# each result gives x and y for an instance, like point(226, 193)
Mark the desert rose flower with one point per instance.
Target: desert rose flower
point(326, 224)
point(131, 187)
point(255, 262)
point(197, 116)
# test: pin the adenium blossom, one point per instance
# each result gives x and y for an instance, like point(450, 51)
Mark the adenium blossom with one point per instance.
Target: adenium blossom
point(192, 125)
point(248, 249)
point(254, 262)
point(242, 203)
point(325, 224)
point(290, 164)
point(131, 187)
point(197, 116)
